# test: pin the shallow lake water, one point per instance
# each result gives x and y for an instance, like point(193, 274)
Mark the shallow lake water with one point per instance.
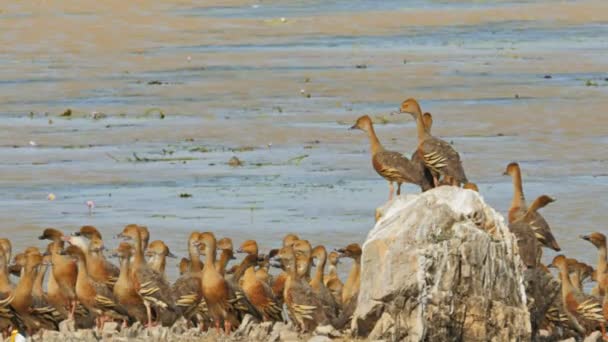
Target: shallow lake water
point(163, 94)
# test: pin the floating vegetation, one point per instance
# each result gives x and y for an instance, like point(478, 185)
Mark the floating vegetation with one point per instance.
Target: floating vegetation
point(185, 195)
point(155, 110)
point(297, 160)
point(66, 114)
point(591, 83)
point(201, 149)
point(234, 162)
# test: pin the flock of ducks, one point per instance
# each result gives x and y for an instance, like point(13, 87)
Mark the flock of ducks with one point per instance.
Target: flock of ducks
point(82, 285)
point(435, 163)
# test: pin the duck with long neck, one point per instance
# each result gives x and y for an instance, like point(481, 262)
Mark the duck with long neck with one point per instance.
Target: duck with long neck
point(214, 287)
point(518, 202)
point(123, 289)
point(279, 282)
point(7, 247)
point(351, 286)
point(6, 292)
point(100, 269)
point(258, 292)
point(334, 260)
point(586, 310)
point(392, 166)
point(193, 250)
point(63, 268)
point(303, 251)
point(317, 282)
point(599, 241)
point(157, 254)
point(304, 308)
point(438, 155)
point(251, 248)
point(537, 222)
point(23, 299)
point(227, 254)
point(151, 285)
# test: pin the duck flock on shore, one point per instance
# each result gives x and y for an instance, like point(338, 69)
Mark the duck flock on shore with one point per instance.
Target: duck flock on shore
point(84, 286)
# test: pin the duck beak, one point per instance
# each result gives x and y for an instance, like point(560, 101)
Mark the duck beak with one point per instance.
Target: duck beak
point(240, 250)
point(41, 237)
point(120, 236)
point(353, 127)
point(585, 237)
point(171, 255)
point(551, 266)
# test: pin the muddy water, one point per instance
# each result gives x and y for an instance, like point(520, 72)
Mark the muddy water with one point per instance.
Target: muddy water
point(163, 93)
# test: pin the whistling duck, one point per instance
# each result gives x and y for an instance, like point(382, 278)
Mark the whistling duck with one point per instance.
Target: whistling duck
point(36, 312)
point(303, 251)
point(438, 155)
point(157, 253)
point(251, 247)
point(88, 232)
point(317, 282)
point(64, 270)
point(427, 120)
point(599, 241)
point(392, 166)
point(227, 254)
point(215, 288)
point(304, 308)
point(7, 314)
point(586, 309)
point(257, 292)
point(184, 266)
point(95, 296)
point(527, 243)
point(123, 289)
point(332, 281)
point(519, 209)
point(541, 228)
point(279, 282)
point(351, 286)
point(149, 284)
point(100, 269)
point(7, 247)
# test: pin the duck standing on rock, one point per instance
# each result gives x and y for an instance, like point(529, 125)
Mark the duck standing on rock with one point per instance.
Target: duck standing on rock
point(438, 155)
point(392, 166)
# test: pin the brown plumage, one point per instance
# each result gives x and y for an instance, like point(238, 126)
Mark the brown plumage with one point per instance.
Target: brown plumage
point(8, 316)
point(587, 310)
point(438, 155)
point(350, 291)
point(157, 254)
point(99, 268)
point(471, 186)
point(317, 282)
point(527, 243)
point(149, 284)
point(278, 284)
point(392, 166)
point(304, 308)
point(332, 281)
point(88, 232)
point(95, 296)
point(257, 292)
point(599, 241)
point(215, 289)
point(227, 254)
point(123, 289)
point(519, 209)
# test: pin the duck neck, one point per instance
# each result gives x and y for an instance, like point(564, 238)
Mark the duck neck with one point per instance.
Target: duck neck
point(5, 283)
point(601, 261)
point(567, 286)
point(37, 287)
point(318, 278)
point(375, 144)
point(352, 283)
point(421, 130)
point(224, 259)
point(240, 270)
point(333, 271)
point(158, 262)
point(518, 200)
point(23, 291)
point(575, 279)
point(83, 272)
point(195, 259)
point(138, 256)
point(210, 248)
point(125, 268)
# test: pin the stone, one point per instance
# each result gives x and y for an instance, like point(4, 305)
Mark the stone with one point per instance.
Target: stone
point(327, 330)
point(595, 336)
point(67, 326)
point(319, 338)
point(245, 326)
point(260, 332)
point(109, 329)
point(441, 264)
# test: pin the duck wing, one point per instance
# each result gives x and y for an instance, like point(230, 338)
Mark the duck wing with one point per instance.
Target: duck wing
point(394, 167)
point(441, 158)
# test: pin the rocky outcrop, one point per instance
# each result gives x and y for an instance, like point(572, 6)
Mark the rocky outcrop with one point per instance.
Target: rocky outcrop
point(441, 266)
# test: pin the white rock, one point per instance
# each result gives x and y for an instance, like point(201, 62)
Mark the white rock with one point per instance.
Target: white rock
point(319, 338)
point(67, 326)
point(442, 263)
point(595, 336)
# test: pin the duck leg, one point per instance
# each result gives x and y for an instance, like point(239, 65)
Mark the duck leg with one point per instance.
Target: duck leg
point(391, 190)
point(398, 189)
point(435, 181)
point(227, 327)
point(149, 314)
point(217, 327)
point(72, 307)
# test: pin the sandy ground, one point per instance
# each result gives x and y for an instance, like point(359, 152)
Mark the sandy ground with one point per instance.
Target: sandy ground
point(506, 81)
